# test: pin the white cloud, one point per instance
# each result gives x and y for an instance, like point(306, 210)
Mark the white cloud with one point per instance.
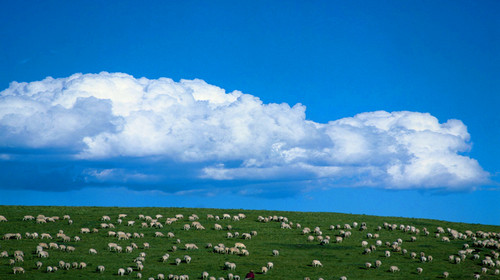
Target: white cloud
point(230, 136)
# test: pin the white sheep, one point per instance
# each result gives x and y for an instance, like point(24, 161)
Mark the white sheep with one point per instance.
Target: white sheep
point(178, 261)
point(121, 272)
point(270, 265)
point(160, 276)
point(420, 270)
point(92, 251)
point(264, 270)
point(343, 278)
point(368, 265)
point(205, 274)
point(100, 268)
point(187, 259)
point(394, 268)
point(378, 263)
point(446, 274)
point(316, 263)
point(17, 269)
point(276, 253)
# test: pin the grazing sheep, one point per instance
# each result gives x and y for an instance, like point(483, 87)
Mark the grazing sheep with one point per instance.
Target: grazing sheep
point(230, 265)
point(446, 274)
point(100, 268)
point(276, 253)
point(205, 274)
point(92, 251)
point(165, 257)
point(263, 270)
point(160, 276)
point(378, 263)
point(343, 278)
point(368, 265)
point(187, 259)
point(477, 276)
point(393, 268)
point(121, 272)
point(17, 269)
point(138, 275)
point(316, 263)
point(420, 270)
point(270, 265)
point(387, 254)
point(49, 269)
point(178, 261)
point(82, 265)
point(338, 239)
point(484, 270)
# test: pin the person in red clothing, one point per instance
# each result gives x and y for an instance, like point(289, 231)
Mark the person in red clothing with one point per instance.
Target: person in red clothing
point(250, 275)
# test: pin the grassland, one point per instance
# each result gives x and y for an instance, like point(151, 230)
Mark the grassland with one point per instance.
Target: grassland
point(294, 261)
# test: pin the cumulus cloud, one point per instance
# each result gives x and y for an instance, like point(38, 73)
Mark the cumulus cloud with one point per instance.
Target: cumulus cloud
point(120, 130)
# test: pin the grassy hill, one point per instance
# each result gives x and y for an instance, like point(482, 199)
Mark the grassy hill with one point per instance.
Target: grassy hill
point(296, 253)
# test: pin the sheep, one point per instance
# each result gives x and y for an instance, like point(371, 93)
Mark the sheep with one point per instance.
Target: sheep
point(338, 239)
point(230, 265)
point(205, 274)
point(100, 268)
point(178, 261)
point(187, 259)
point(368, 265)
point(82, 265)
point(138, 275)
point(484, 270)
point(18, 269)
point(92, 251)
point(387, 254)
point(43, 254)
point(343, 278)
point(316, 263)
point(477, 276)
point(49, 269)
point(276, 253)
point(121, 272)
point(378, 263)
point(364, 243)
point(165, 257)
point(394, 268)
point(270, 265)
point(45, 235)
point(3, 219)
point(264, 270)
point(420, 270)
point(39, 265)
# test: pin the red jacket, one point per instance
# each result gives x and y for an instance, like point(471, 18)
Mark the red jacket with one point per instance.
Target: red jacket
point(250, 275)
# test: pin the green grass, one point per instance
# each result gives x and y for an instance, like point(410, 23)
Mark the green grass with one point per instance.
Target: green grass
point(294, 261)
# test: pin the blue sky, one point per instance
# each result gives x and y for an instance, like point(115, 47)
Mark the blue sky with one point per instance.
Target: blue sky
point(310, 106)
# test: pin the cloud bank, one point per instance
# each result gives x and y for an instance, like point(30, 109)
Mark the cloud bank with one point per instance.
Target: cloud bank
point(114, 129)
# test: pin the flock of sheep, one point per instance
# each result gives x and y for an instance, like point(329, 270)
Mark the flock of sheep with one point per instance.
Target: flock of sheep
point(123, 229)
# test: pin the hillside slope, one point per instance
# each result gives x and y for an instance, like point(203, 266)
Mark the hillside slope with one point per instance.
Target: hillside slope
point(296, 252)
